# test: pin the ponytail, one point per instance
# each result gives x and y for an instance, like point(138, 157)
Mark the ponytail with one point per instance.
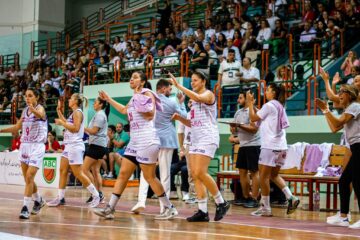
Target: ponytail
point(280, 92)
point(105, 106)
point(81, 99)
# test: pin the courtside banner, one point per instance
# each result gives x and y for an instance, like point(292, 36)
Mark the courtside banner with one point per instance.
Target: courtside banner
point(47, 175)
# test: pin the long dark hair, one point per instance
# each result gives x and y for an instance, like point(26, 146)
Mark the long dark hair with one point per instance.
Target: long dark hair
point(38, 94)
point(105, 106)
point(280, 93)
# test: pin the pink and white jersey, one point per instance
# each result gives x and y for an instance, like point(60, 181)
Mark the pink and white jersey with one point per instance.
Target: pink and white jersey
point(142, 131)
point(34, 130)
point(77, 137)
point(204, 129)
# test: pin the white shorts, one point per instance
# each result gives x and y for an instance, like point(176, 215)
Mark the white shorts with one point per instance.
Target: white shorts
point(32, 154)
point(74, 152)
point(147, 155)
point(206, 150)
point(272, 158)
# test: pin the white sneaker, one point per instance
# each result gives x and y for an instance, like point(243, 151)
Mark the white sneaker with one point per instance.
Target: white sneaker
point(191, 201)
point(185, 195)
point(173, 195)
point(104, 175)
point(107, 212)
point(138, 208)
point(338, 221)
point(110, 175)
point(355, 225)
point(95, 202)
point(338, 215)
point(169, 213)
point(262, 212)
point(56, 202)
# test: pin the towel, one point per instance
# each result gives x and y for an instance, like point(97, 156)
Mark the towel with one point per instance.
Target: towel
point(283, 121)
point(143, 103)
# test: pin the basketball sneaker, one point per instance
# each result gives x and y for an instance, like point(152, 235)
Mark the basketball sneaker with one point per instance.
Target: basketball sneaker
point(221, 210)
point(169, 213)
point(262, 212)
point(355, 225)
point(106, 212)
point(37, 206)
point(138, 208)
point(56, 202)
point(293, 203)
point(338, 221)
point(24, 214)
point(95, 202)
point(199, 216)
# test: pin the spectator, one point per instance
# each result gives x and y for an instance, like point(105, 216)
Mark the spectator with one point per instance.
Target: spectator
point(264, 34)
point(254, 9)
point(309, 15)
point(271, 19)
point(307, 37)
point(209, 29)
point(117, 44)
point(278, 38)
point(161, 41)
point(179, 166)
point(174, 41)
point(338, 7)
point(212, 54)
point(52, 145)
point(18, 72)
point(249, 40)
point(352, 23)
point(229, 32)
point(350, 61)
point(222, 15)
point(248, 73)
point(171, 56)
point(165, 16)
point(231, 46)
point(56, 80)
point(135, 61)
point(187, 31)
point(220, 44)
point(228, 75)
point(42, 57)
point(200, 59)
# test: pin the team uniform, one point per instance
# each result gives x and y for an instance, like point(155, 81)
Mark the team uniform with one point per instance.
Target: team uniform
point(144, 142)
point(33, 139)
point(204, 130)
point(74, 144)
point(98, 142)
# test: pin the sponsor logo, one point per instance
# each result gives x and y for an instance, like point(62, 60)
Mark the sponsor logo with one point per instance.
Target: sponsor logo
point(49, 169)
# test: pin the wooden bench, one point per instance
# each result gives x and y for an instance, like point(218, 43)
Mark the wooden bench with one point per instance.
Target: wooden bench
point(299, 176)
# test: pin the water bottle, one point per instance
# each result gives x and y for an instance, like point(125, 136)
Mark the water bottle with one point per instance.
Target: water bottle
point(316, 200)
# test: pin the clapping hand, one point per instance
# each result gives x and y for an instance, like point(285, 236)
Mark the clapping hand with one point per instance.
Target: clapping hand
point(322, 104)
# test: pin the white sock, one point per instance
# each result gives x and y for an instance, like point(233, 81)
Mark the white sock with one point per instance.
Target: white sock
point(92, 190)
point(287, 192)
point(61, 193)
point(165, 201)
point(202, 204)
point(218, 198)
point(36, 196)
point(266, 201)
point(113, 200)
point(27, 202)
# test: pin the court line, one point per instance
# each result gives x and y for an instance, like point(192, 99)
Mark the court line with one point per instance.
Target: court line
point(231, 223)
point(139, 229)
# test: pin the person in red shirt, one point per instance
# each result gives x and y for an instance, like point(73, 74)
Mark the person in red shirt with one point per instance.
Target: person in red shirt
point(15, 142)
point(52, 145)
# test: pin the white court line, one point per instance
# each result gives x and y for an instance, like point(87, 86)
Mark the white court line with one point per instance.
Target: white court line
point(8, 236)
point(139, 229)
point(231, 223)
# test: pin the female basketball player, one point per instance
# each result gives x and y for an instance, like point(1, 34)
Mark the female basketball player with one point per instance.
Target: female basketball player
point(204, 142)
point(273, 146)
point(33, 123)
point(97, 131)
point(143, 147)
point(73, 153)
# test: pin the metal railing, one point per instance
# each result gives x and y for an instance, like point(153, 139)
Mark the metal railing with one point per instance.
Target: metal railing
point(9, 59)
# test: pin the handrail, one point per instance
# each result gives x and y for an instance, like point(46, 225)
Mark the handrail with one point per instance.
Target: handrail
point(13, 111)
point(184, 67)
point(117, 71)
point(317, 59)
point(312, 78)
point(149, 66)
point(262, 83)
point(264, 62)
point(9, 59)
point(89, 72)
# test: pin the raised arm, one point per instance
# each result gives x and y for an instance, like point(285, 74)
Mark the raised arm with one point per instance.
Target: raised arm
point(59, 111)
point(118, 106)
point(73, 128)
point(250, 101)
point(329, 91)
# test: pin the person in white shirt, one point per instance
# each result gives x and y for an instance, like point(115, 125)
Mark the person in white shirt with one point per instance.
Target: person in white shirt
point(212, 54)
point(117, 44)
point(264, 34)
point(229, 32)
point(236, 49)
point(248, 72)
point(209, 29)
point(229, 80)
point(273, 122)
point(271, 19)
point(307, 38)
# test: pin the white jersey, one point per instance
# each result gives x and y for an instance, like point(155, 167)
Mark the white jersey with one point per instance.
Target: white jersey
point(77, 137)
point(34, 129)
point(186, 131)
point(204, 129)
point(142, 131)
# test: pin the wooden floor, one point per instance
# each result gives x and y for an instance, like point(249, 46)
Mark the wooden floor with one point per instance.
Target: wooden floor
point(76, 221)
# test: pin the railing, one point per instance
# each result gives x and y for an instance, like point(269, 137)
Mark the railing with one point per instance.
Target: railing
point(9, 60)
point(309, 87)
